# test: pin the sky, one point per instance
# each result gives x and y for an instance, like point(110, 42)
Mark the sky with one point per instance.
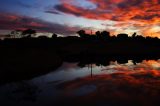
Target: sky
point(66, 17)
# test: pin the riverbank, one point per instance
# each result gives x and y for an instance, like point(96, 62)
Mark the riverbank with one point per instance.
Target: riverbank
point(29, 57)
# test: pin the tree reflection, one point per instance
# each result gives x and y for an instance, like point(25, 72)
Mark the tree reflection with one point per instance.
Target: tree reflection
point(139, 85)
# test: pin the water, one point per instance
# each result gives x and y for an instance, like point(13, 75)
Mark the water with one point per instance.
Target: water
point(112, 85)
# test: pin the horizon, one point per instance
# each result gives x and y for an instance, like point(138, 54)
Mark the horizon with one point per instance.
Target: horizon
point(78, 52)
point(89, 32)
point(65, 17)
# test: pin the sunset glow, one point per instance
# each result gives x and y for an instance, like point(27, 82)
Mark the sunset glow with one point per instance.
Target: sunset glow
point(68, 16)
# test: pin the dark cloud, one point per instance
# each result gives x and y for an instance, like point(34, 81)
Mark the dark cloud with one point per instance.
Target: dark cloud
point(52, 12)
point(12, 22)
point(140, 17)
point(67, 10)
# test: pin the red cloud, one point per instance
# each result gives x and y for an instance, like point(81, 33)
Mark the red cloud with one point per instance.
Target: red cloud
point(136, 13)
point(120, 10)
point(12, 22)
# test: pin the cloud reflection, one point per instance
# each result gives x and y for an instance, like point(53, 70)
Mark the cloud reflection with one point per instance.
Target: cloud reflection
point(130, 85)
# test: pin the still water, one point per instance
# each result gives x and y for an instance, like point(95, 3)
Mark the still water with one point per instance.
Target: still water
point(112, 85)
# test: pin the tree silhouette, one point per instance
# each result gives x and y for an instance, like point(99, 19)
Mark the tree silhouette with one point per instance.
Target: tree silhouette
point(122, 36)
point(54, 35)
point(82, 33)
point(134, 35)
point(29, 32)
point(98, 35)
point(105, 35)
point(139, 37)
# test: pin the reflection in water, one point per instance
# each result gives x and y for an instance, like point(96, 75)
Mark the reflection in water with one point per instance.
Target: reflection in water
point(112, 85)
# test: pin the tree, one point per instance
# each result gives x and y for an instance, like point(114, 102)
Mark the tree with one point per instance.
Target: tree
point(54, 35)
point(98, 34)
point(105, 35)
point(29, 32)
point(134, 35)
point(122, 36)
point(82, 33)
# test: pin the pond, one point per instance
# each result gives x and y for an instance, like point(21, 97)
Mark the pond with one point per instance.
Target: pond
point(71, 84)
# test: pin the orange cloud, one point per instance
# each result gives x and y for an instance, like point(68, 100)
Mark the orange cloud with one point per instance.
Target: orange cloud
point(139, 12)
point(115, 9)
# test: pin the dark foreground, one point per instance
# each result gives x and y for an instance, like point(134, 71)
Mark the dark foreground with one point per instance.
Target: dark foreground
point(28, 57)
point(126, 84)
point(33, 71)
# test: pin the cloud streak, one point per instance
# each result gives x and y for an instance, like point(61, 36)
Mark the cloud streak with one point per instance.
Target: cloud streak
point(117, 16)
point(118, 10)
point(13, 22)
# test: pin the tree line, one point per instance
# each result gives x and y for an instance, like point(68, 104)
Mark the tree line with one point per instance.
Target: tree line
point(105, 35)
point(99, 35)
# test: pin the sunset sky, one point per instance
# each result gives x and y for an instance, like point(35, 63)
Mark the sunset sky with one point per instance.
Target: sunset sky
point(68, 16)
